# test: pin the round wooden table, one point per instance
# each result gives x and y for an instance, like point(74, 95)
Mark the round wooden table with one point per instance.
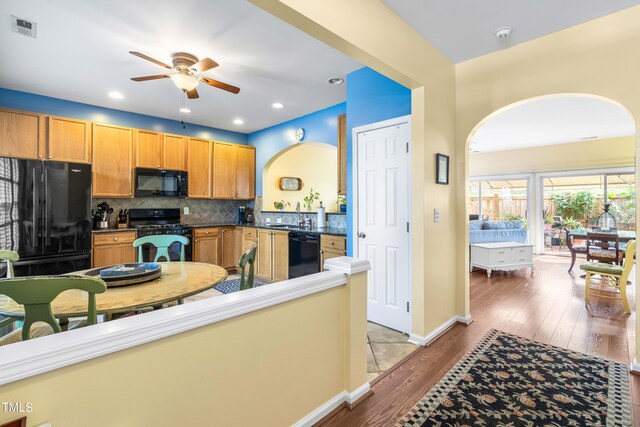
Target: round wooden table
point(179, 280)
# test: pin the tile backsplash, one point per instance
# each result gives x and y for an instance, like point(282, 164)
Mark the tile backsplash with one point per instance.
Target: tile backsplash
point(334, 220)
point(201, 211)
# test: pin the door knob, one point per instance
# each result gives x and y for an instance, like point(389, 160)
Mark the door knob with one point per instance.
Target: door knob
point(361, 235)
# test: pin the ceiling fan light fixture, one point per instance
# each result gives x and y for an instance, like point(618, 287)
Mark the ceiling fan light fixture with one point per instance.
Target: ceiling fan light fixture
point(184, 81)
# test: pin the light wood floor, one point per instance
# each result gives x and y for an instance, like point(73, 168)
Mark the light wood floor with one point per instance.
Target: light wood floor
point(548, 307)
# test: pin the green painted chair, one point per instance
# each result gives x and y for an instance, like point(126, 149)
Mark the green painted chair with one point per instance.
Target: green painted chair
point(246, 276)
point(36, 295)
point(162, 244)
point(9, 257)
point(611, 275)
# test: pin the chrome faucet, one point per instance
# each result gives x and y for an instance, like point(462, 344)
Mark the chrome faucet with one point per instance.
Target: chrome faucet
point(300, 221)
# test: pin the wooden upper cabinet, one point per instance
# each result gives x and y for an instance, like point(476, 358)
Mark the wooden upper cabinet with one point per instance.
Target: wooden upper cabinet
point(245, 172)
point(21, 134)
point(342, 154)
point(224, 171)
point(174, 152)
point(112, 161)
point(148, 149)
point(199, 172)
point(68, 140)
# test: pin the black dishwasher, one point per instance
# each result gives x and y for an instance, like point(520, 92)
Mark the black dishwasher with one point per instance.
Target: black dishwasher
point(304, 254)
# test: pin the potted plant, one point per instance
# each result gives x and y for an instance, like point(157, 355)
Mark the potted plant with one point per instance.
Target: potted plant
point(342, 203)
point(280, 205)
point(310, 198)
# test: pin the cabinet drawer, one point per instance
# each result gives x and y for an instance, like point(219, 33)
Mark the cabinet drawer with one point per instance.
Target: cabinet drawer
point(250, 232)
point(500, 256)
point(114, 238)
point(206, 232)
point(522, 255)
point(333, 242)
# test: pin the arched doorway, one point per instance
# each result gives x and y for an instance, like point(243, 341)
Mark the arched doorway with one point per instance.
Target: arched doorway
point(551, 162)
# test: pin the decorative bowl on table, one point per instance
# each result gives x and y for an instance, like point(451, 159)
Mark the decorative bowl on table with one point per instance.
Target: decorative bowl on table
point(127, 274)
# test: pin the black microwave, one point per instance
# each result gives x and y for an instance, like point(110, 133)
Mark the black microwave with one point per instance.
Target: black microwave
point(160, 183)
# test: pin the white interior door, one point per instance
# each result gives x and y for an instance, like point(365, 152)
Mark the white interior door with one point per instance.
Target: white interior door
point(382, 222)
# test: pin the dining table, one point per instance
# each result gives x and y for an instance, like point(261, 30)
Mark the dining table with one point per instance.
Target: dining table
point(178, 280)
point(581, 234)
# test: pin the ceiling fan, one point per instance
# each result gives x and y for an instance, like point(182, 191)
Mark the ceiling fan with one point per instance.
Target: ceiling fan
point(188, 73)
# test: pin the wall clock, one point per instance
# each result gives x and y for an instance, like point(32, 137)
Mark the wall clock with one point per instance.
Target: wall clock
point(299, 134)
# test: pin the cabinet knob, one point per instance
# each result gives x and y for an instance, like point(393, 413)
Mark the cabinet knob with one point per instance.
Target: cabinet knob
point(115, 239)
point(206, 232)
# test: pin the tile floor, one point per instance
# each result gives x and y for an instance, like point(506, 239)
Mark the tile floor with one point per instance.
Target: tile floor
point(385, 348)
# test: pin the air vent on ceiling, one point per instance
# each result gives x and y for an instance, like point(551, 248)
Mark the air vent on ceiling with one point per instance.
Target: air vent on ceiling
point(24, 27)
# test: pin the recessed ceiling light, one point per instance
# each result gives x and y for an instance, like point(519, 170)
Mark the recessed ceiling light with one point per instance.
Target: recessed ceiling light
point(586, 138)
point(238, 121)
point(277, 105)
point(116, 95)
point(335, 81)
point(185, 110)
point(503, 32)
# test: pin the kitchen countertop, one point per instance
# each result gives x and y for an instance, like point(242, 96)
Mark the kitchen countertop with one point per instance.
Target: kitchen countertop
point(334, 231)
point(329, 230)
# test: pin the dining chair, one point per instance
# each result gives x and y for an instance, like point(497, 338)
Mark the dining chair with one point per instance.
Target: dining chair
point(36, 294)
point(161, 244)
point(574, 249)
point(604, 247)
point(9, 257)
point(246, 277)
point(615, 276)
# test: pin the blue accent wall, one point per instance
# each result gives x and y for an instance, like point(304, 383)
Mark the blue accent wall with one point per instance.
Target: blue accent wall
point(320, 126)
point(371, 97)
point(59, 107)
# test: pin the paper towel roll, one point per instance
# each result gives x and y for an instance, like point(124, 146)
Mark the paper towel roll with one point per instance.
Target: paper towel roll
point(322, 218)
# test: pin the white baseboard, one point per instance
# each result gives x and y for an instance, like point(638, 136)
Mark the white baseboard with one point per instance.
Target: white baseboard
point(331, 404)
point(635, 367)
point(427, 339)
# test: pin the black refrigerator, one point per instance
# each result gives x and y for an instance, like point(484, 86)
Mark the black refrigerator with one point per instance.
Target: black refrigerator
point(45, 215)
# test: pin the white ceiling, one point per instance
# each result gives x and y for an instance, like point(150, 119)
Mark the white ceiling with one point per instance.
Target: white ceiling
point(464, 29)
point(81, 54)
point(549, 121)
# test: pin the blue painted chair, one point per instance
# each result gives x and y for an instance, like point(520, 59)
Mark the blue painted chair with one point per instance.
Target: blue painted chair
point(36, 295)
point(161, 244)
point(246, 278)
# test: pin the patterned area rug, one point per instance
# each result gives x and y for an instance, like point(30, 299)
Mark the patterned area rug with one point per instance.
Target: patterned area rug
point(229, 286)
point(511, 381)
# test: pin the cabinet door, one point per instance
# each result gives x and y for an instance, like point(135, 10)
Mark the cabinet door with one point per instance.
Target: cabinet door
point(224, 170)
point(342, 154)
point(207, 249)
point(148, 149)
point(112, 161)
point(238, 245)
point(199, 172)
point(326, 254)
point(280, 255)
point(245, 172)
point(68, 140)
point(228, 248)
point(263, 262)
point(21, 134)
point(174, 152)
point(105, 255)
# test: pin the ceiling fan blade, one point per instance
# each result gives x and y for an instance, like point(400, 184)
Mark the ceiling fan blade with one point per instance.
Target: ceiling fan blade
point(148, 58)
point(145, 78)
point(192, 94)
point(219, 85)
point(203, 65)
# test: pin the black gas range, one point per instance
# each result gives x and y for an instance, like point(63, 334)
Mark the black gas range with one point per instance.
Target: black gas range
point(153, 222)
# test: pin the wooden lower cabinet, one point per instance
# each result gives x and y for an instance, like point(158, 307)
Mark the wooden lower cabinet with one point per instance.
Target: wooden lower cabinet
point(207, 245)
point(113, 248)
point(273, 255)
point(229, 259)
point(237, 244)
point(331, 247)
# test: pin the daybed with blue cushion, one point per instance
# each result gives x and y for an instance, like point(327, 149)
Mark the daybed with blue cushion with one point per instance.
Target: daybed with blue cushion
point(481, 231)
